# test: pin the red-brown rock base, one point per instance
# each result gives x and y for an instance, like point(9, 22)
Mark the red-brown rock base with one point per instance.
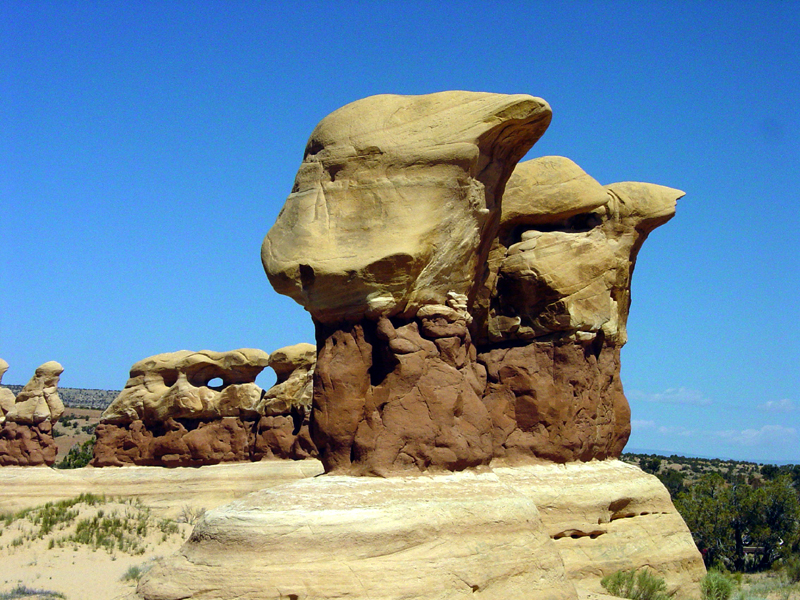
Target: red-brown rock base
point(193, 443)
point(27, 445)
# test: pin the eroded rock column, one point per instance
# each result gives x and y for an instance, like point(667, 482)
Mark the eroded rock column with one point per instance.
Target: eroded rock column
point(26, 436)
point(384, 240)
point(551, 317)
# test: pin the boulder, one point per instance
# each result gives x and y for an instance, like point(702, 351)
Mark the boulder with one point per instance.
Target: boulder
point(171, 414)
point(26, 436)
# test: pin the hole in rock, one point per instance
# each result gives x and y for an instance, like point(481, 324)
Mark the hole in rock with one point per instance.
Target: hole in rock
point(575, 224)
point(266, 379)
point(216, 383)
point(170, 378)
point(307, 275)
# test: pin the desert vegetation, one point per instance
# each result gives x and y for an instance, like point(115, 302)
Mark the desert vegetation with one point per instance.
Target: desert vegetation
point(744, 518)
point(88, 520)
point(42, 546)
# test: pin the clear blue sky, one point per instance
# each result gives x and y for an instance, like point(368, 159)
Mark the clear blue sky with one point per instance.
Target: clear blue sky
point(147, 147)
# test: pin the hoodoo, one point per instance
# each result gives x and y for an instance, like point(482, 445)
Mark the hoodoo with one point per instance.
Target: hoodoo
point(469, 315)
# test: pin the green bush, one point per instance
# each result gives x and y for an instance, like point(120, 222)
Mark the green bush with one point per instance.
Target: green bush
point(641, 585)
point(134, 573)
point(22, 591)
point(78, 456)
point(716, 586)
point(792, 568)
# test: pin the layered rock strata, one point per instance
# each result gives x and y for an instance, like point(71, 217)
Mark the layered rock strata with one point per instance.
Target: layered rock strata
point(171, 413)
point(465, 310)
point(535, 532)
point(26, 435)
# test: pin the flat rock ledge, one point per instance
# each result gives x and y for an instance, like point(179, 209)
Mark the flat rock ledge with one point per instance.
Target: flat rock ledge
point(532, 532)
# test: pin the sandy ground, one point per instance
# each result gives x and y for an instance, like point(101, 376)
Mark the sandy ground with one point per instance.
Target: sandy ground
point(167, 495)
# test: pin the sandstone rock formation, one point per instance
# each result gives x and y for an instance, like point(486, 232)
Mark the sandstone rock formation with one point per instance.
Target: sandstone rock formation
point(170, 413)
point(463, 319)
point(26, 437)
point(537, 531)
point(459, 319)
point(551, 317)
point(382, 239)
point(285, 408)
point(7, 398)
point(396, 199)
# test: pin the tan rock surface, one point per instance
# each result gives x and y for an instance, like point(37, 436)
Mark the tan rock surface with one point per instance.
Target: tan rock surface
point(566, 250)
point(7, 398)
point(394, 199)
point(605, 516)
point(38, 401)
point(164, 490)
point(462, 535)
point(26, 432)
point(560, 274)
point(294, 367)
point(175, 385)
point(496, 534)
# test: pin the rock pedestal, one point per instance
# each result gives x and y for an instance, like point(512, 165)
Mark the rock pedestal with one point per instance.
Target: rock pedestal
point(535, 532)
point(26, 431)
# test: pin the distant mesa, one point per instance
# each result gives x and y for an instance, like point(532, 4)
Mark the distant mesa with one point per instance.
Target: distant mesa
point(171, 414)
point(26, 421)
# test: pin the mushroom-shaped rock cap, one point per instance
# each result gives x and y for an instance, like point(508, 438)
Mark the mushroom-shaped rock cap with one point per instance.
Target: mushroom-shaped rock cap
point(177, 385)
point(286, 361)
point(38, 401)
point(3, 368)
point(644, 205)
point(237, 366)
point(49, 369)
point(549, 189)
point(396, 201)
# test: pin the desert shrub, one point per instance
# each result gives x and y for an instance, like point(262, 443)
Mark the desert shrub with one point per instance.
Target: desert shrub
point(134, 573)
point(190, 515)
point(716, 586)
point(792, 568)
point(78, 456)
point(636, 585)
point(22, 591)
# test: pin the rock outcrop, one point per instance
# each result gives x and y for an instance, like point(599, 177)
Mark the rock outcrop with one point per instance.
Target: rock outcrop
point(465, 317)
point(465, 310)
point(551, 319)
point(382, 240)
point(7, 397)
point(26, 436)
point(537, 531)
point(171, 413)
